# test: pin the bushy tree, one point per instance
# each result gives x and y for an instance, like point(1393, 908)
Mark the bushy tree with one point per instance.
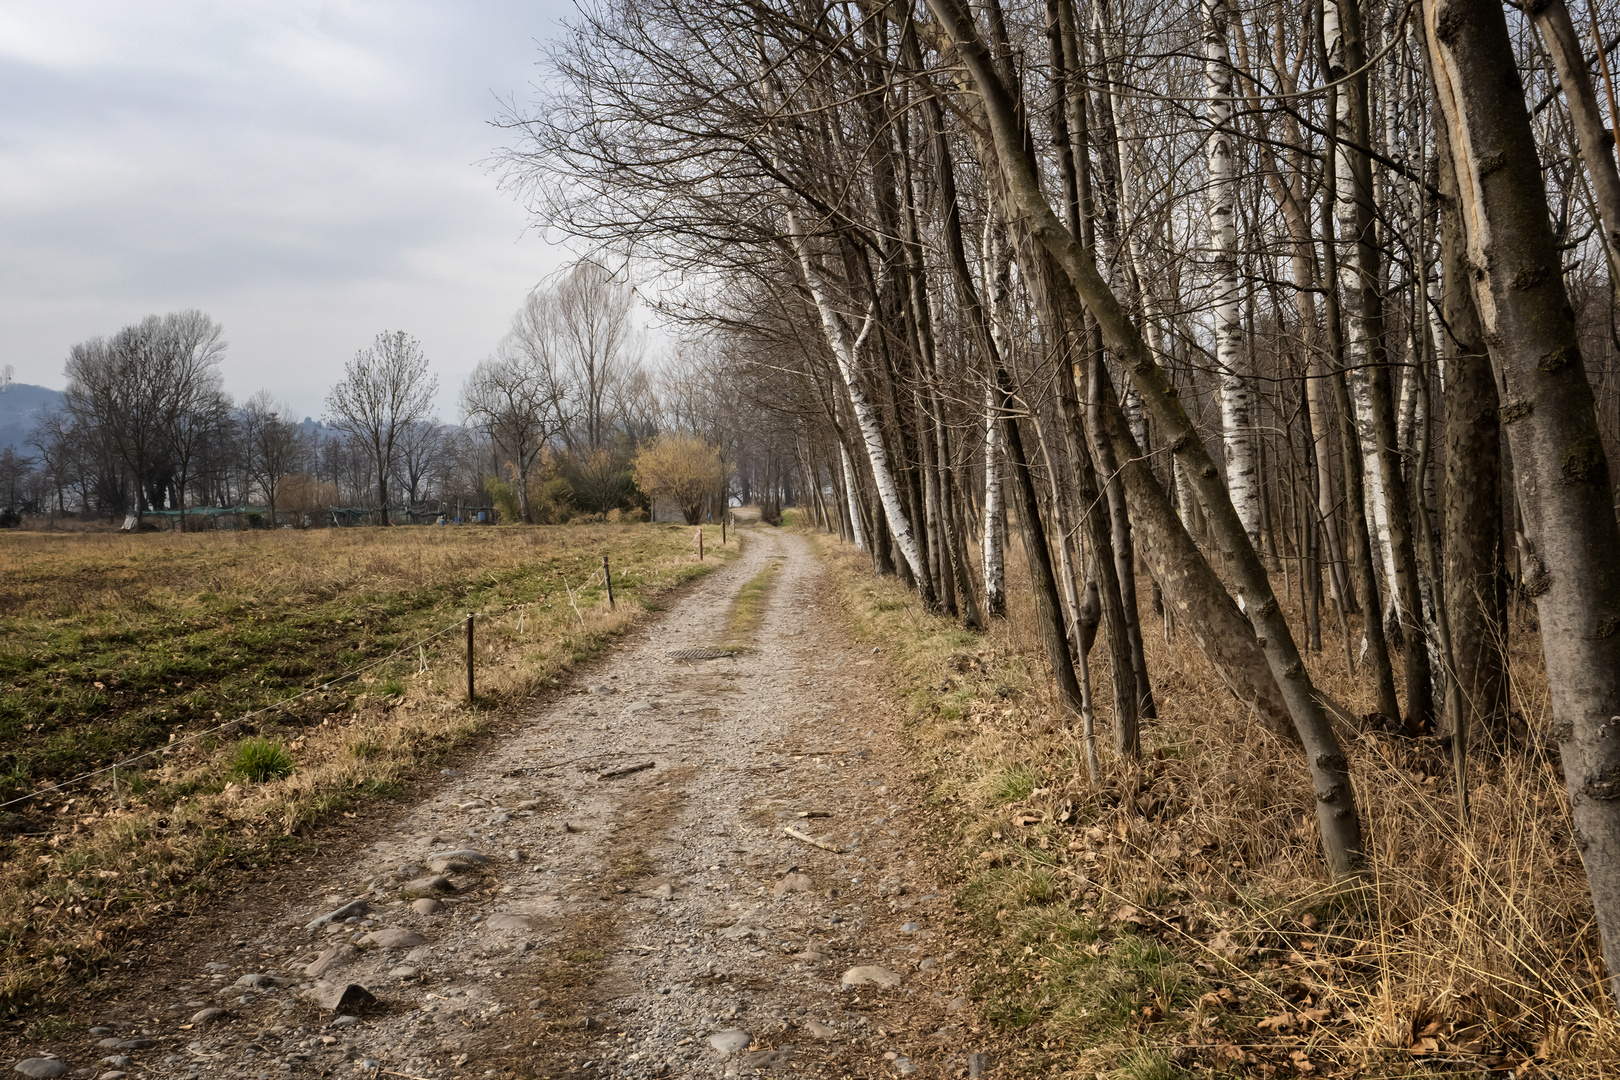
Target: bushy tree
point(683, 469)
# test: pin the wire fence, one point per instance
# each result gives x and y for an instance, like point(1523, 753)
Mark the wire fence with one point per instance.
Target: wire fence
point(419, 647)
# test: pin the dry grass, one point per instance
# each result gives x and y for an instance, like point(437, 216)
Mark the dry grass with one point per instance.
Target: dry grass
point(111, 645)
point(1177, 919)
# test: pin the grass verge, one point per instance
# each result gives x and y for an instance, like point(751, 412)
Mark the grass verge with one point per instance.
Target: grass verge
point(112, 646)
point(1175, 919)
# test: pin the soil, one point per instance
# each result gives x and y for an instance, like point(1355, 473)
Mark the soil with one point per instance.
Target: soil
point(661, 922)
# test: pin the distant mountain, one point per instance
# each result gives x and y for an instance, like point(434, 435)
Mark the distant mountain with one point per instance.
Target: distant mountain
point(21, 406)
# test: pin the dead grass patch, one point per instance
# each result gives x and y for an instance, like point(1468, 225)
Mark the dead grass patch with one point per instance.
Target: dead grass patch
point(1176, 918)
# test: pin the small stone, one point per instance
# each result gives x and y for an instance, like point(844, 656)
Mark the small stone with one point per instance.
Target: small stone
point(370, 1063)
point(101, 1031)
point(870, 974)
point(132, 1044)
point(41, 1068)
point(793, 883)
point(956, 1004)
point(109, 1044)
point(255, 982)
point(910, 928)
point(207, 1016)
point(927, 964)
point(334, 957)
point(404, 971)
point(730, 1041)
point(215, 965)
point(335, 997)
point(426, 905)
point(976, 1066)
point(426, 886)
point(905, 1065)
point(508, 922)
point(351, 909)
point(395, 937)
point(771, 1059)
point(346, 1021)
point(449, 772)
point(664, 892)
point(118, 1061)
point(820, 1030)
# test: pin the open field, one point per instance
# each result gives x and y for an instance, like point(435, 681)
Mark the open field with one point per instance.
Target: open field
point(111, 646)
point(1177, 919)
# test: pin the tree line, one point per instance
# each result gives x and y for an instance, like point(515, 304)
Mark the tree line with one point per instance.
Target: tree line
point(1294, 320)
point(550, 427)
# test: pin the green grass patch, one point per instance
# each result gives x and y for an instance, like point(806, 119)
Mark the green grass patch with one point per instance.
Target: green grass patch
point(261, 760)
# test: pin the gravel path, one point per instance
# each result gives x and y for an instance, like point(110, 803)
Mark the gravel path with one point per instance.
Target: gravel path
point(536, 917)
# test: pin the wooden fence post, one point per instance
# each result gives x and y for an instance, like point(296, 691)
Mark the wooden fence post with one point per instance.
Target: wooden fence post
point(607, 576)
point(469, 657)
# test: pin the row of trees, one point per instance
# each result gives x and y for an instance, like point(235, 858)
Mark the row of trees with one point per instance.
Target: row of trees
point(1284, 312)
point(553, 419)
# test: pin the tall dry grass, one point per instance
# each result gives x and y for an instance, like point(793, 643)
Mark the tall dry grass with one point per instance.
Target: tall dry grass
point(1191, 883)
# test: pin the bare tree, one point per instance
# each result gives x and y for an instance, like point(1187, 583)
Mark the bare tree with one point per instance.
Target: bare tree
point(591, 315)
point(273, 446)
point(385, 388)
point(518, 397)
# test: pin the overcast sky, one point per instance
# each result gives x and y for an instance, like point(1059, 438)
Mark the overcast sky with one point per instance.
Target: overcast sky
point(307, 173)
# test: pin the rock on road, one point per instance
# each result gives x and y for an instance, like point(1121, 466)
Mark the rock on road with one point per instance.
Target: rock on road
point(538, 918)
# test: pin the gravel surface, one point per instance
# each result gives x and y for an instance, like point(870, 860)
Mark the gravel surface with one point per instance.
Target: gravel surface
point(541, 916)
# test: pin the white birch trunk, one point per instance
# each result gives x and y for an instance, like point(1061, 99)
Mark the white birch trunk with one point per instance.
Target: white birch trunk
point(1357, 348)
point(1126, 141)
point(993, 542)
point(854, 503)
point(1238, 399)
point(846, 353)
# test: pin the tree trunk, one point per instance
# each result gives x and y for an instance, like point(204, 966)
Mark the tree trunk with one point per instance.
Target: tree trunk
point(845, 352)
point(1561, 473)
point(1475, 574)
point(1238, 402)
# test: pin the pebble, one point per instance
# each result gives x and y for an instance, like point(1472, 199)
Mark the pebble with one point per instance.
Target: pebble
point(346, 1021)
point(395, 937)
point(41, 1068)
point(730, 1041)
point(351, 909)
point(910, 928)
point(426, 905)
point(664, 892)
point(976, 1066)
point(793, 883)
point(207, 1016)
point(905, 1065)
point(404, 971)
point(334, 957)
point(255, 982)
point(956, 1004)
point(334, 997)
point(118, 1061)
point(865, 974)
point(508, 922)
point(424, 885)
point(820, 1030)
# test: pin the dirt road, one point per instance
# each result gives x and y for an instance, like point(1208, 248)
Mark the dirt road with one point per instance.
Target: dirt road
point(540, 916)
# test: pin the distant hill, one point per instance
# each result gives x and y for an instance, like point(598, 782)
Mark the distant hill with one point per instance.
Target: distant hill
point(21, 406)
